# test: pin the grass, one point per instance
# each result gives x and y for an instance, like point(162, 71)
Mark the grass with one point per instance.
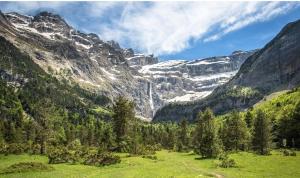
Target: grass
point(169, 165)
point(26, 167)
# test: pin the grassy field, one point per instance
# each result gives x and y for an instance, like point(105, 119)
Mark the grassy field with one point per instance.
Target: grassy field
point(169, 165)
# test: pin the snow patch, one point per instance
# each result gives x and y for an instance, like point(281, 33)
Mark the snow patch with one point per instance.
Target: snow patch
point(190, 96)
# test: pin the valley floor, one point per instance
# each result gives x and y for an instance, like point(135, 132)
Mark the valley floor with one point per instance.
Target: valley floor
point(169, 164)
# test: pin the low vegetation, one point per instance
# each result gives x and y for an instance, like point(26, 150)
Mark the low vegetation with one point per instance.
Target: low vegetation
point(26, 167)
point(168, 164)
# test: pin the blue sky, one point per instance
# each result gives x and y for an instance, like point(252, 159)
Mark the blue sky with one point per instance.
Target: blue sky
point(181, 30)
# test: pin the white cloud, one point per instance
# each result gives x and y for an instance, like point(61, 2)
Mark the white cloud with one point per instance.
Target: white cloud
point(168, 27)
point(162, 27)
point(25, 7)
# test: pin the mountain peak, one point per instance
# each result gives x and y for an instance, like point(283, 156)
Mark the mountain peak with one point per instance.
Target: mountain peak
point(49, 22)
point(47, 15)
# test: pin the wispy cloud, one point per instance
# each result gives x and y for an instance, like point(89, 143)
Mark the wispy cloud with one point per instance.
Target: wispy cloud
point(164, 27)
point(161, 27)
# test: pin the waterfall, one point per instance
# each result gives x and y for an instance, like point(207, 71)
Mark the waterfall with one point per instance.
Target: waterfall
point(150, 96)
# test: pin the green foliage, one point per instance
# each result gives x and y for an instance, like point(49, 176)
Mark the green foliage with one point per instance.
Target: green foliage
point(249, 119)
point(289, 152)
point(123, 112)
point(182, 142)
point(234, 133)
point(16, 148)
point(261, 133)
point(153, 157)
point(207, 143)
point(226, 162)
point(62, 155)
point(102, 159)
point(26, 167)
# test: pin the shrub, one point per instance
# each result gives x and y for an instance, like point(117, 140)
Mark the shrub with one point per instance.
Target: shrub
point(153, 157)
point(83, 152)
point(143, 150)
point(16, 148)
point(62, 155)
point(289, 153)
point(3, 148)
point(124, 147)
point(293, 153)
point(102, 159)
point(226, 162)
point(36, 149)
point(74, 145)
point(27, 166)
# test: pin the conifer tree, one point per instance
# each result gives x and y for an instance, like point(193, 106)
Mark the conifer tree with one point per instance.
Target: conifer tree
point(123, 112)
point(234, 132)
point(261, 133)
point(182, 135)
point(249, 119)
point(207, 143)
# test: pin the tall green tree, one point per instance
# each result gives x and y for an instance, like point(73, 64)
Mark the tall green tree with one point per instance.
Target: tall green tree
point(249, 119)
point(123, 112)
point(182, 135)
point(207, 143)
point(289, 126)
point(261, 133)
point(234, 133)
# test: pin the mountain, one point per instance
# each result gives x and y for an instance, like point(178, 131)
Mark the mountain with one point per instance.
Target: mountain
point(180, 81)
point(273, 68)
point(105, 69)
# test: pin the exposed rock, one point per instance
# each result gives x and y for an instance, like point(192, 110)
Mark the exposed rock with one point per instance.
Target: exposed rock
point(106, 68)
point(273, 68)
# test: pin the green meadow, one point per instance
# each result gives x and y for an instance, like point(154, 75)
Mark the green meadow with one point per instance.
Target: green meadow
point(168, 164)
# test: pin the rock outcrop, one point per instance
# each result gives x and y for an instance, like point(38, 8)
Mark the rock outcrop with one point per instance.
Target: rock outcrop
point(274, 68)
point(105, 68)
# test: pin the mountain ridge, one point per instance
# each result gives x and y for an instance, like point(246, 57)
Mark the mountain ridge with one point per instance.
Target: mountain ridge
point(104, 68)
point(273, 68)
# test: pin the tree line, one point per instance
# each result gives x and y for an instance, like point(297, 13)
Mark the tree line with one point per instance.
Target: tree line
point(208, 136)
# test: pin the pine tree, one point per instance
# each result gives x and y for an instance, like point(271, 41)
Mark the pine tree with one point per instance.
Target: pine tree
point(9, 132)
point(249, 119)
point(234, 133)
point(207, 143)
point(261, 133)
point(123, 112)
point(182, 135)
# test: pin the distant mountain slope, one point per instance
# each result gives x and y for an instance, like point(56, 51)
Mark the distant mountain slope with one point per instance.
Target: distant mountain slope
point(180, 80)
point(106, 69)
point(275, 67)
point(26, 89)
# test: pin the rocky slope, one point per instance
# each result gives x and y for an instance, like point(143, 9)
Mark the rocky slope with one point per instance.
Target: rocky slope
point(274, 68)
point(105, 68)
point(180, 81)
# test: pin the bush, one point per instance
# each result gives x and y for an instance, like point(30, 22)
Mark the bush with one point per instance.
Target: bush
point(36, 149)
point(153, 157)
point(289, 153)
point(74, 145)
point(124, 147)
point(3, 148)
point(27, 166)
point(226, 162)
point(293, 153)
point(102, 159)
point(16, 148)
point(143, 150)
point(62, 155)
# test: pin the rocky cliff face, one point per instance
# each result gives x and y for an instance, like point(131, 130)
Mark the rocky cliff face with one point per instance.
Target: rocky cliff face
point(84, 59)
point(181, 81)
point(275, 67)
point(107, 69)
